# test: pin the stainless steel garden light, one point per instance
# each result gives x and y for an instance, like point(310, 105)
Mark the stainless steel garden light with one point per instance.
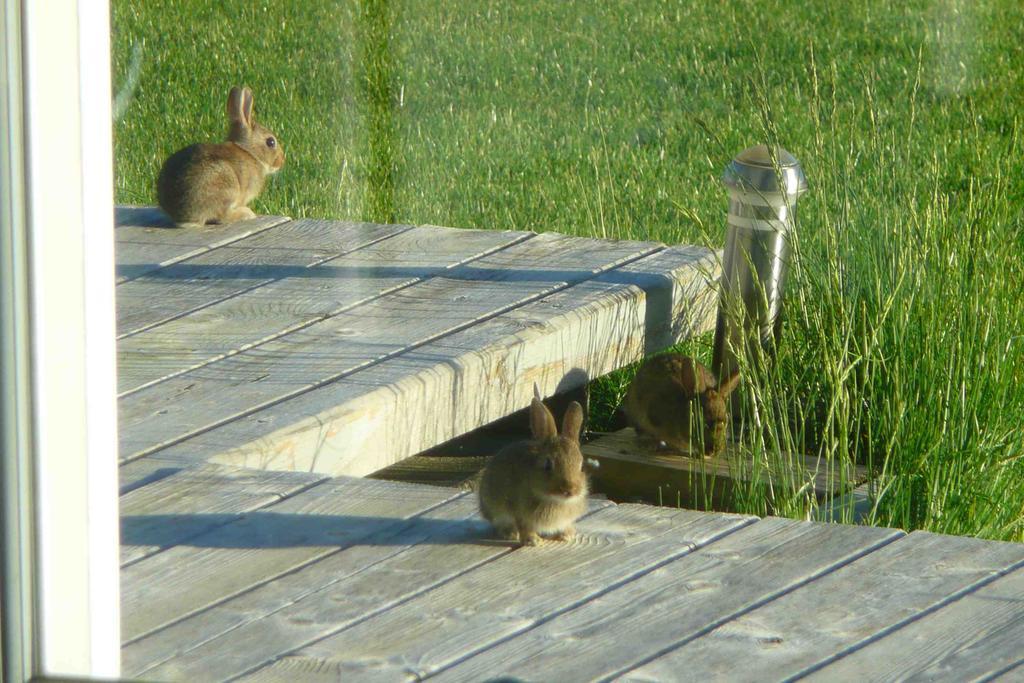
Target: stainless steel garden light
point(764, 185)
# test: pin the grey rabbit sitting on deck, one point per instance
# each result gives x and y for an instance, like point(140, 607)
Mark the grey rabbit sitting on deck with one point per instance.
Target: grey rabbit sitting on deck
point(678, 401)
point(214, 183)
point(538, 487)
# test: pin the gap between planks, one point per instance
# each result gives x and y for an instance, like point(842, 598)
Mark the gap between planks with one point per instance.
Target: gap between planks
point(521, 592)
point(695, 593)
point(183, 333)
point(163, 512)
point(228, 560)
point(477, 375)
point(275, 396)
point(189, 286)
point(249, 631)
point(899, 583)
point(304, 620)
point(946, 616)
point(130, 236)
point(993, 616)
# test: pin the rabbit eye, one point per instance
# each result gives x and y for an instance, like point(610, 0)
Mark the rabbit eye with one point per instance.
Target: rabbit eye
point(271, 142)
point(548, 465)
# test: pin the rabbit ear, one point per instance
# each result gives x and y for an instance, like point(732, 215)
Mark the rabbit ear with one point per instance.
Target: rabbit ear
point(247, 101)
point(572, 422)
point(536, 391)
point(238, 113)
point(729, 383)
point(542, 422)
point(702, 378)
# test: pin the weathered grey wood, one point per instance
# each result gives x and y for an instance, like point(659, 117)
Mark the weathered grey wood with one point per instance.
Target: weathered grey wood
point(514, 594)
point(146, 240)
point(851, 605)
point(972, 638)
point(148, 470)
point(306, 295)
point(678, 601)
point(287, 250)
point(176, 508)
point(171, 652)
point(362, 422)
point(166, 587)
point(250, 630)
point(1014, 674)
point(196, 401)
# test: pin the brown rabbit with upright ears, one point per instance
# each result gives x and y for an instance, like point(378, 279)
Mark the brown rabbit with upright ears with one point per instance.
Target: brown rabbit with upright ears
point(538, 487)
point(214, 183)
point(675, 399)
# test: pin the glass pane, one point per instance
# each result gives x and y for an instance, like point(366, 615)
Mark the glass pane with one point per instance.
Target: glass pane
point(616, 120)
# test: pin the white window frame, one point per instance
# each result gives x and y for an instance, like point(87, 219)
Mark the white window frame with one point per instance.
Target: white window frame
point(58, 426)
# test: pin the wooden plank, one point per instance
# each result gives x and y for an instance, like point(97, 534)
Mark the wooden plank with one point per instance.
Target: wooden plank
point(192, 284)
point(215, 394)
point(853, 605)
point(264, 544)
point(292, 301)
point(171, 652)
point(146, 240)
point(148, 470)
point(653, 612)
point(634, 470)
point(359, 424)
point(512, 595)
point(181, 506)
point(249, 630)
point(1013, 674)
point(976, 637)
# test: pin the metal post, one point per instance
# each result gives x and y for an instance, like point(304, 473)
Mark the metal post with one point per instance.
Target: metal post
point(763, 185)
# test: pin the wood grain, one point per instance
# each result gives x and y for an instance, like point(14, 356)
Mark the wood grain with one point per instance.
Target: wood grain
point(181, 506)
point(219, 392)
point(148, 470)
point(294, 300)
point(672, 604)
point(146, 240)
point(368, 420)
point(287, 250)
point(851, 605)
point(321, 598)
point(975, 637)
point(235, 557)
point(514, 594)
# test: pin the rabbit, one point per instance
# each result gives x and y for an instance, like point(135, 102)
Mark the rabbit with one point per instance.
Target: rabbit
point(214, 183)
point(678, 401)
point(538, 486)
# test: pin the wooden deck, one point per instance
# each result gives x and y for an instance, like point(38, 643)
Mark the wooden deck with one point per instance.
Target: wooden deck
point(342, 348)
point(287, 576)
point(306, 349)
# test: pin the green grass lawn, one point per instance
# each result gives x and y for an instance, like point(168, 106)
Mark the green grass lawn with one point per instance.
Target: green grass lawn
point(904, 339)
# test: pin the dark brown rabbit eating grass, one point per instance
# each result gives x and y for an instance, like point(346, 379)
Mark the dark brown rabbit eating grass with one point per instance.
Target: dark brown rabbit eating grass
point(214, 183)
point(538, 487)
point(678, 401)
